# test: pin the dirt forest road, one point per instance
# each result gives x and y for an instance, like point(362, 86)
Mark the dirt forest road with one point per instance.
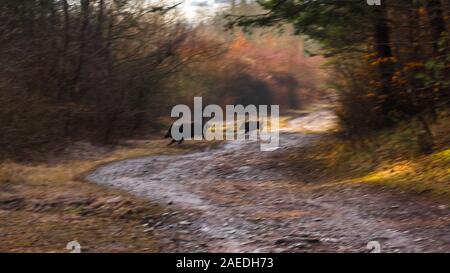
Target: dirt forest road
point(236, 198)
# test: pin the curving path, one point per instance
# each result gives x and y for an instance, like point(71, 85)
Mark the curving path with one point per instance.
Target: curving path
point(237, 199)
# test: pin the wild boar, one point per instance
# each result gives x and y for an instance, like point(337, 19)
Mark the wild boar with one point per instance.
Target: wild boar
point(181, 129)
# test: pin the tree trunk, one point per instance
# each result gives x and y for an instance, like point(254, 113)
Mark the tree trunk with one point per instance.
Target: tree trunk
point(437, 23)
point(101, 16)
point(384, 53)
point(82, 40)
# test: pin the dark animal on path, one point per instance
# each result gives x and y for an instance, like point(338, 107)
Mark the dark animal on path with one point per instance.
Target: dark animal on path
point(247, 127)
point(181, 129)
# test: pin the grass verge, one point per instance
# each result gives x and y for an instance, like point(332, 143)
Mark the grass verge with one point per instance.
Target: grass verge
point(390, 158)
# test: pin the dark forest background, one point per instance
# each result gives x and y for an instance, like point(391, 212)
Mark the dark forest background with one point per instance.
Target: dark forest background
point(105, 70)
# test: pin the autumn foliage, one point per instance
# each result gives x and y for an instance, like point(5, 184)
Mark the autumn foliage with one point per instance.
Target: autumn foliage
point(258, 68)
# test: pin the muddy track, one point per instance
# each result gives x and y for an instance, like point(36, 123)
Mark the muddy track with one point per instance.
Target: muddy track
point(236, 199)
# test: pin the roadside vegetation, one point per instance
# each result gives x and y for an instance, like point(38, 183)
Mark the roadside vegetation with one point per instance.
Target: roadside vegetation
point(391, 158)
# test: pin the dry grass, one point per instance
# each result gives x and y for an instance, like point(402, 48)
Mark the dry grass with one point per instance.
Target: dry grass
point(388, 159)
point(427, 174)
point(399, 164)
